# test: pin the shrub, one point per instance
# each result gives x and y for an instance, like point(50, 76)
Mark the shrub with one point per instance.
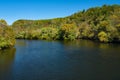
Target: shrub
point(68, 32)
point(103, 37)
point(49, 33)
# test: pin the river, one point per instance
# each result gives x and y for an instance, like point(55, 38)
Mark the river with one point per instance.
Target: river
point(60, 60)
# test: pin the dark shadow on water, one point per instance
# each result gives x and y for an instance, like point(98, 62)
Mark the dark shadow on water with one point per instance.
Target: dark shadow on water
point(6, 62)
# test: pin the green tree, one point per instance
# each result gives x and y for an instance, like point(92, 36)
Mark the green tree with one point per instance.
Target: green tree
point(103, 37)
point(68, 32)
point(7, 36)
point(49, 33)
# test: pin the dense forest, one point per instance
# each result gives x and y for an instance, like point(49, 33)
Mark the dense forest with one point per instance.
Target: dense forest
point(99, 24)
point(7, 35)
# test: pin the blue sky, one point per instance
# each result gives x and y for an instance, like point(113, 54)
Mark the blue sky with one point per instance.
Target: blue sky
point(12, 10)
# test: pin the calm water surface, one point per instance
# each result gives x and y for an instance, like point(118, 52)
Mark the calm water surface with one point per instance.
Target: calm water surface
point(54, 60)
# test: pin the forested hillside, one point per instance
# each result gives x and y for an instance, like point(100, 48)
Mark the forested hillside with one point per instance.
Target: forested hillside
point(7, 35)
point(98, 23)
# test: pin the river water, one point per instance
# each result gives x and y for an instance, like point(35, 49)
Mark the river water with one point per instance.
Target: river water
point(60, 60)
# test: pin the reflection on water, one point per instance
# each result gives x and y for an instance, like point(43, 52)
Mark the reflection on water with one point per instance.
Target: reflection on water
point(111, 51)
point(60, 60)
point(95, 61)
point(90, 44)
point(6, 61)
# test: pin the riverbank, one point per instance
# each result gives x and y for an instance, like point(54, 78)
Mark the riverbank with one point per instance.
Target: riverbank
point(99, 23)
point(7, 35)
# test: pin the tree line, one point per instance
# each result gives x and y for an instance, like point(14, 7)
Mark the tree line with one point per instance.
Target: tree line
point(99, 23)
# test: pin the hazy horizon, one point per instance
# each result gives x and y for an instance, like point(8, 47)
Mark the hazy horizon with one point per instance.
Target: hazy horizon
point(12, 10)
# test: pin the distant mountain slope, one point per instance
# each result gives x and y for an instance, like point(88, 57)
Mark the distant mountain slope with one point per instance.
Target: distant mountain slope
point(98, 23)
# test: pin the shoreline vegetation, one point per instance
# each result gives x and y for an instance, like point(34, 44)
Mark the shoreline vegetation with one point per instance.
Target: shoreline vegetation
point(99, 24)
point(7, 35)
